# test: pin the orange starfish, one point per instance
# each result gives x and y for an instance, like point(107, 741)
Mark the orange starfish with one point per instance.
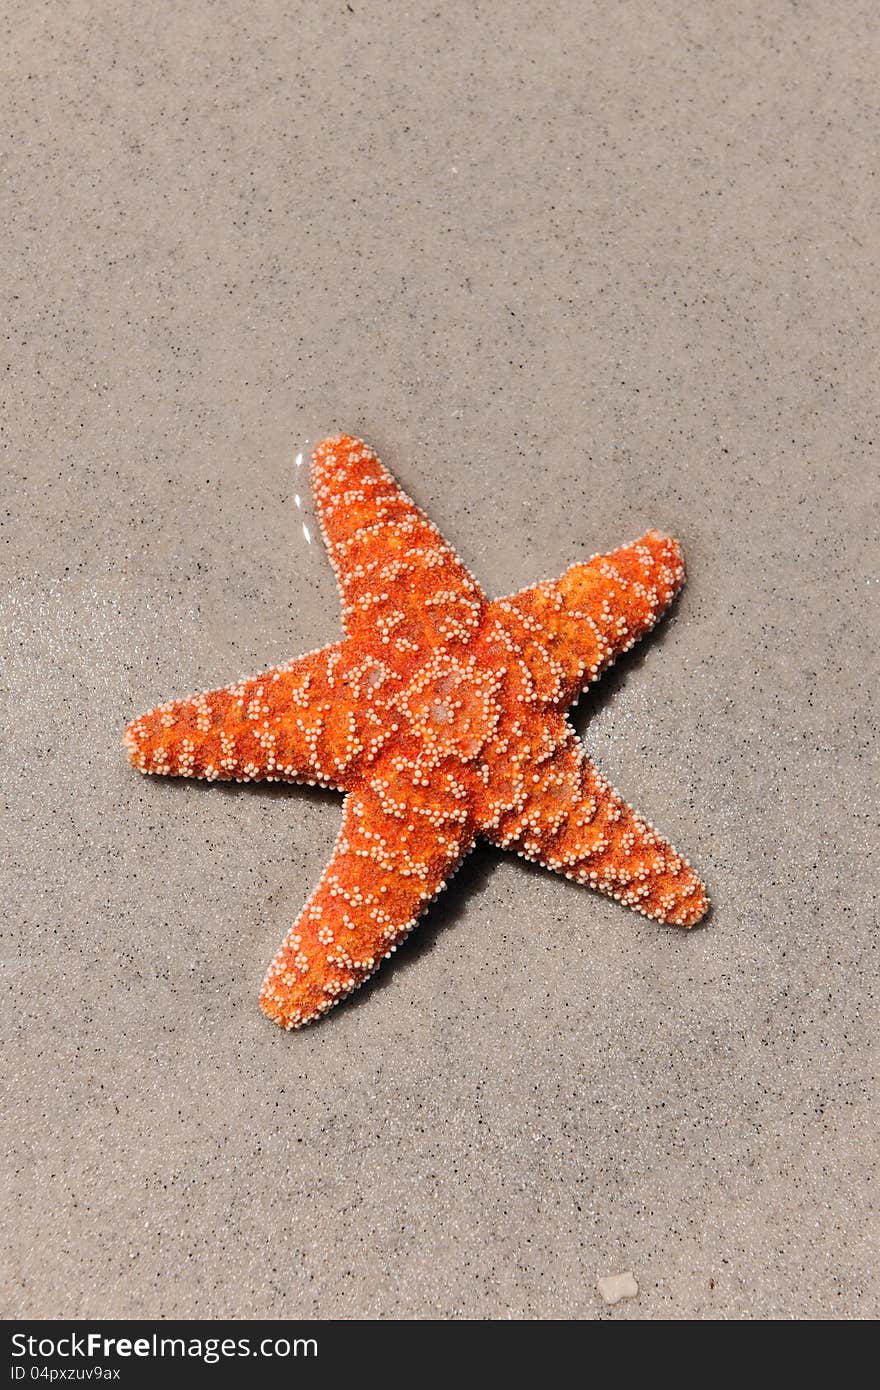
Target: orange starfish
point(442, 717)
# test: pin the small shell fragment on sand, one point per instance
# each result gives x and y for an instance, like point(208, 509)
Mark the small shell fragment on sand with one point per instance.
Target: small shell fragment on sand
point(614, 1287)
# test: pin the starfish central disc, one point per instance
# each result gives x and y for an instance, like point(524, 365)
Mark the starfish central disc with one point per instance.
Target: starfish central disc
point(452, 706)
point(442, 717)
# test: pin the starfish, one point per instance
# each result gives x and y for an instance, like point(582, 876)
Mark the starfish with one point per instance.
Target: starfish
point(442, 717)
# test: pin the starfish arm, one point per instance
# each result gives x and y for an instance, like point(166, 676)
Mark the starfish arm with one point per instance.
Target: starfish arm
point(572, 629)
point(391, 858)
point(403, 587)
point(292, 723)
point(572, 820)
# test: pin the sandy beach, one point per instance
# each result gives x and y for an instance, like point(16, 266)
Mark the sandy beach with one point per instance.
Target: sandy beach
point(574, 271)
